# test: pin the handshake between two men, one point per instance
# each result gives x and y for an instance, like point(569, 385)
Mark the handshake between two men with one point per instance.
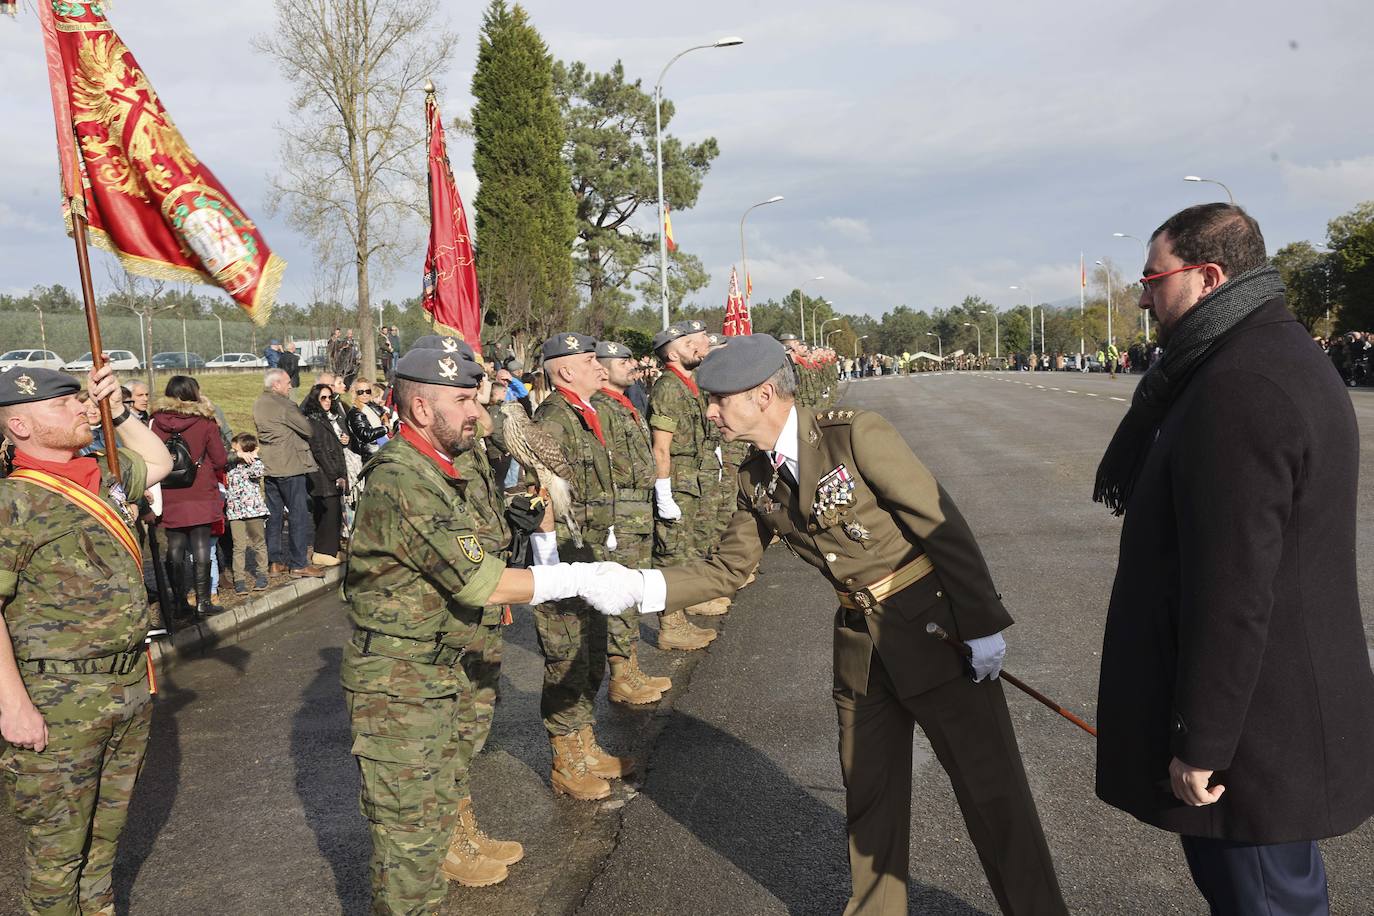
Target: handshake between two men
point(608, 587)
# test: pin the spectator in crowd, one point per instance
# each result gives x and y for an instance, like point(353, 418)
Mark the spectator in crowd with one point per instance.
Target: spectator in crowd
point(273, 354)
point(352, 360)
point(329, 480)
point(189, 513)
point(333, 351)
point(284, 436)
point(246, 510)
point(638, 392)
point(290, 363)
point(367, 430)
point(137, 401)
point(97, 446)
point(385, 353)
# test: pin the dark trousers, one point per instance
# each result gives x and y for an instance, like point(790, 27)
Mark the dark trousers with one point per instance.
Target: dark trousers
point(1245, 879)
point(328, 514)
point(970, 730)
point(288, 494)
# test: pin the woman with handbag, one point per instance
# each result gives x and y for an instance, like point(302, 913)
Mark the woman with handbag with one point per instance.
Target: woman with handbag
point(329, 482)
point(191, 498)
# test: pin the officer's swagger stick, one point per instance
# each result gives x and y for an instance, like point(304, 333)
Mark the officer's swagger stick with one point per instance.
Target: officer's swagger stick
point(934, 629)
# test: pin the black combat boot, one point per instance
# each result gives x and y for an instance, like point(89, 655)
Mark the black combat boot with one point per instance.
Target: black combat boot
point(203, 606)
point(179, 581)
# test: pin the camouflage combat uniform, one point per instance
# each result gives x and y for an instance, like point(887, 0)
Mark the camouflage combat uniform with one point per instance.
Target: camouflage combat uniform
point(632, 470)
point(572, 635)
point(419, 573)
point(77, 615)
point(675, 408)
point(733, 454)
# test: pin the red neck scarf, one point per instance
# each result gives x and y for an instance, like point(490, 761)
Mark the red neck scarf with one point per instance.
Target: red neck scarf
point(84, 472)
point(621, 399)
point(687, 380)
point(586, 411)
point(429, 451)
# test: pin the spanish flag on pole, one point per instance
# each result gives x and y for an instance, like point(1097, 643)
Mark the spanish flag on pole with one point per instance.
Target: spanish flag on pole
point(668, 228)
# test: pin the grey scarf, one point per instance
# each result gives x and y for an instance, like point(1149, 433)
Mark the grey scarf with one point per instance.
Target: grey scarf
point(1190, 342)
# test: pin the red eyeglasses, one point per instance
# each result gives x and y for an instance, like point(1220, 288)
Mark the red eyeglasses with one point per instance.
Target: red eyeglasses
point(1146, 281)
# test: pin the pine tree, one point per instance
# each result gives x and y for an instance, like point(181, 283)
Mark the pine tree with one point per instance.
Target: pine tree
point(524, 205)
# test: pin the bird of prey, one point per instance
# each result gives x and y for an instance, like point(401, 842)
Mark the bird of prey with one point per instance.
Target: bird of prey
point(536, 449)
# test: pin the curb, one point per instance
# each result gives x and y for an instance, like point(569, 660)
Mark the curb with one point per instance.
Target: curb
point(198, 639)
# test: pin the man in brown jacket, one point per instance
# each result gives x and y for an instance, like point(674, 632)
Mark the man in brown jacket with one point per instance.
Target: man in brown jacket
point(284, 434)
point(844, 492)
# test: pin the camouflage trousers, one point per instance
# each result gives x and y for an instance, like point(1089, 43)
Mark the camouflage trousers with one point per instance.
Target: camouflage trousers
point(414, 756)
point(622, 630)
point(727, 491)
point(572, 637)
point(73, 799)
point(689, 537)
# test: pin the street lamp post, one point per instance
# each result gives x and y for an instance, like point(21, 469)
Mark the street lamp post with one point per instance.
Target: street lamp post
point(1145, 249)
point(996, 332)
point(826, 322)
point(856, 345)
point(42, 330)
point(969, 324)
point(744, 262)
point(1229, 196)
point(658, 150)
point(801, 307)
point(942, 346)
point(830, 335)
point(221, 334)
point(1107, 272)
point(814, 338)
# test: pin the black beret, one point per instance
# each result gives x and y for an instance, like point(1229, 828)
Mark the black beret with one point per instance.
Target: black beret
point(786, 337)
point(447, 343)
point(440, 367)
point(746, 363)
point(23, 385)
point(567, 343)
point(609, 349)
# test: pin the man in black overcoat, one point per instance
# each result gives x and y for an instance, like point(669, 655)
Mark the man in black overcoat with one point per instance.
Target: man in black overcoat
point(1236, 702)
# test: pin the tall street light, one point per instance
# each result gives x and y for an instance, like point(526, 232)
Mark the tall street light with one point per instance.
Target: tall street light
point(942, 346)
point(1107, 272)
point(801, 307)
point(1145, 249)
point(815, 339)
point(1027, 290)
point(996, 332)
point(856, 345)
point(727, 42)
point(826, 322)
point(830, 335)
point(970, 324)
point(744, 262)
point(1231, 197)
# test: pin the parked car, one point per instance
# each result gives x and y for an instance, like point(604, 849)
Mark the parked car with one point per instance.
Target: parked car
point(242, 360)
point(176, 359)
point(42, 359)
point(1094, 365)
point(120, 360)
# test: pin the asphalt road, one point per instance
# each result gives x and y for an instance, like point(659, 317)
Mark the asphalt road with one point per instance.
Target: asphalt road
point(248, 802)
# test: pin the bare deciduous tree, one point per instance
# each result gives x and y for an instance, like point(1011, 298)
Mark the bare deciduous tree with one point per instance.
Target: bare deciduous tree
point(350, 158)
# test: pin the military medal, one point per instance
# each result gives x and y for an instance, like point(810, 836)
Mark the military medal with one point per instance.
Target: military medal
point(121, 501)
point(856, 532)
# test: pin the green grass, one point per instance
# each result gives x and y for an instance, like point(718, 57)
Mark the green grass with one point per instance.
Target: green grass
point(232, 392)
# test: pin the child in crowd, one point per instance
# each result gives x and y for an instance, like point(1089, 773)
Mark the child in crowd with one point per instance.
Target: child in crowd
point(246, 510)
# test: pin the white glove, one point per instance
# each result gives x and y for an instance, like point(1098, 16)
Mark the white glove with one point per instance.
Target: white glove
point(663, 494)
point(611, 588)
point(720, 464)
point(610, 538)
point(544, 546)
point(988, 652)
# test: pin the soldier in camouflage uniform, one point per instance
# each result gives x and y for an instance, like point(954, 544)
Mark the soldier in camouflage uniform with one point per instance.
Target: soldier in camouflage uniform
point(632, 470)
point(74, 698)
point(572, 636)
point(425, 598)
point(686, 472)
point(796, 352)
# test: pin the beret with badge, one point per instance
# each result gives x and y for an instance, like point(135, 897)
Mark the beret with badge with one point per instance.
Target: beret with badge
point(609, 349)
point(679, 329)
point(786, 337)
point(446, 342)
point(568, 343)
point(440, 367)
point(746, 363)
point(29, 385)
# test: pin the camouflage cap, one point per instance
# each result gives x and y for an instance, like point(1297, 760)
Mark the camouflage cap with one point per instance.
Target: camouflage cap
point(440, 367)
point(609, 349)
point(25, 385)
point(746, 363)
point(568, 343)
point(448, 343)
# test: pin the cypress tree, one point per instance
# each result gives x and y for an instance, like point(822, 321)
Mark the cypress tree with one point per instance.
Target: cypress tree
point(524, 207)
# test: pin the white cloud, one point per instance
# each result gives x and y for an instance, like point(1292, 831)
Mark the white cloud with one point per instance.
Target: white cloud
point(1343, 182)
point(850, 228)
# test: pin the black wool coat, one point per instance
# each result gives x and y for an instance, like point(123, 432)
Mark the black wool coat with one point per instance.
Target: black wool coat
point(1234, 639)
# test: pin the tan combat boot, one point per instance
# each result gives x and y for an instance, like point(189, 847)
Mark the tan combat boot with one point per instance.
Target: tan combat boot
point(661, 684)
point(675, 631)
point(629, 686)
point(599, 761)
point(507, 852)
point(713, 608)
point(570, 775)
point(465, 864)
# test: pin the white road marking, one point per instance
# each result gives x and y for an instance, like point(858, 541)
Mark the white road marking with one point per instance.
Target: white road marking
point(1070, 391)
point(1090, 394)
point(1114, 398)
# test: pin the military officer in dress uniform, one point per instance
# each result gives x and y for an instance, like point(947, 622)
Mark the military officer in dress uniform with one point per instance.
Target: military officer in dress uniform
point(843, 490)
point(74, 699)
point(425, 597)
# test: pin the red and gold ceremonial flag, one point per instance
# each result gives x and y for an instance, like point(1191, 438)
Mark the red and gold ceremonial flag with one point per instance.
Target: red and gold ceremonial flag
point(668, 228)
point(127, 169)
point(450, 286)
point(736, 312)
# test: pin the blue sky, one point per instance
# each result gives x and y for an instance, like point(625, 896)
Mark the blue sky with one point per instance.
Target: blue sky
point(926, 152)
